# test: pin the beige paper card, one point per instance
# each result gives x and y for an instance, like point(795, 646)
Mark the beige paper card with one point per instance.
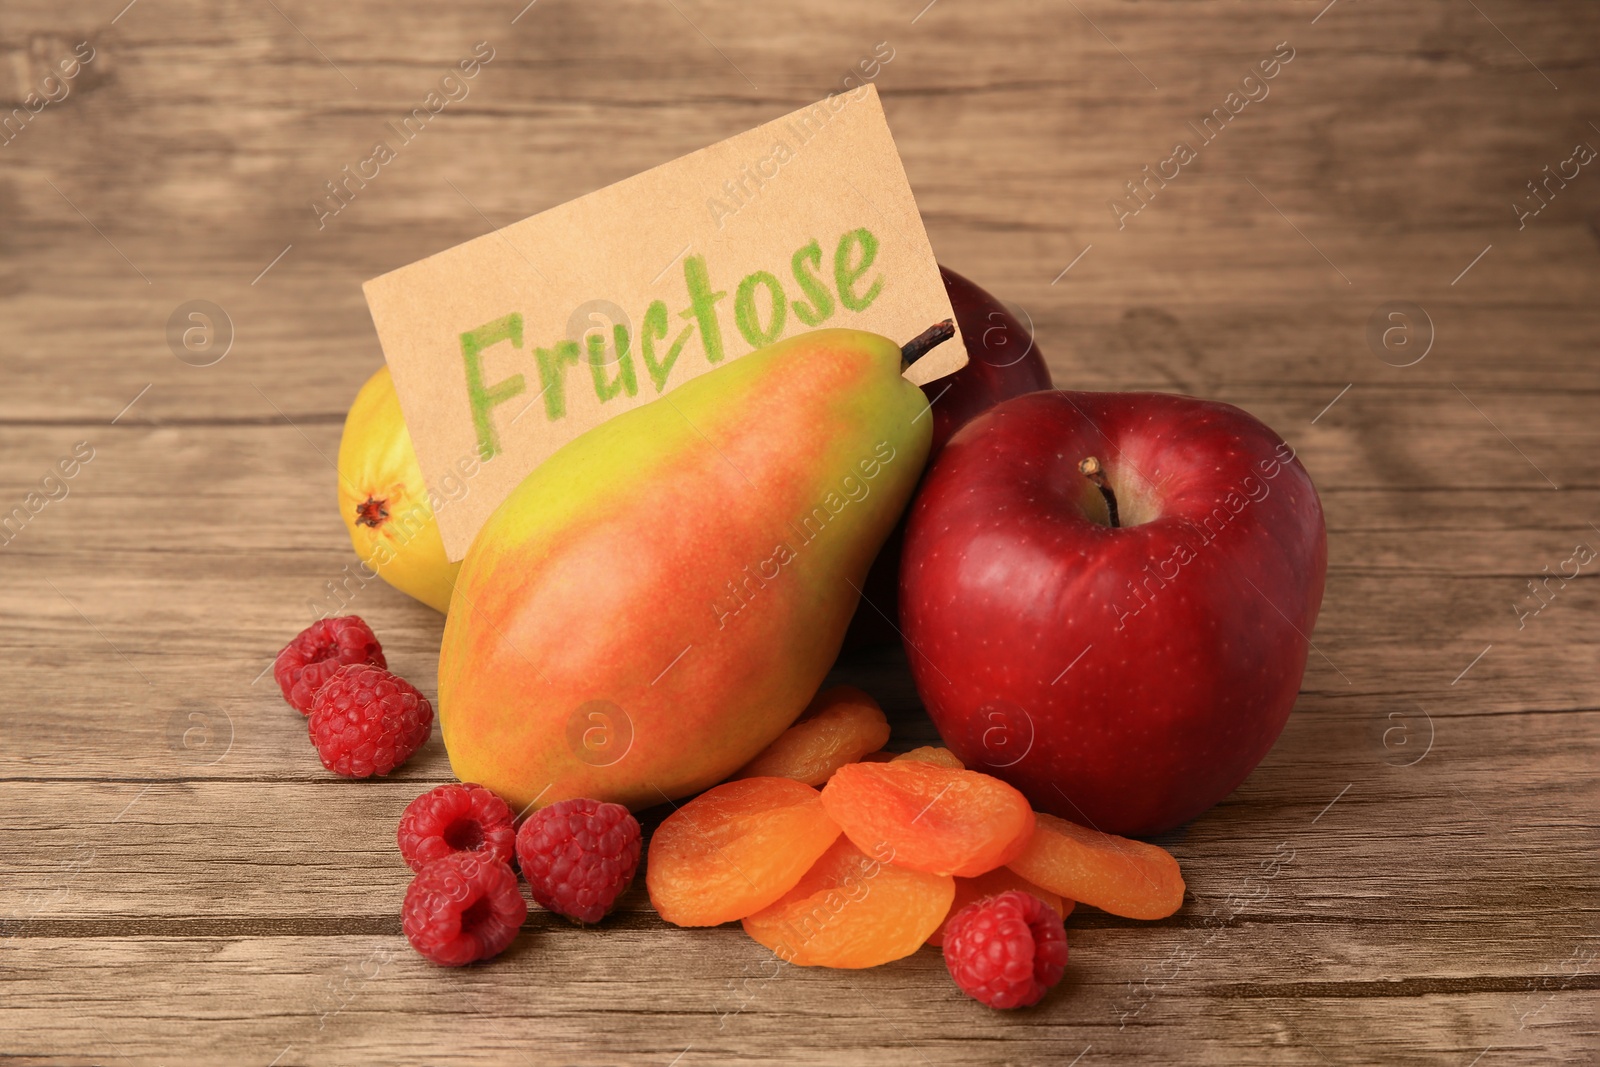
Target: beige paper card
point(514, 343)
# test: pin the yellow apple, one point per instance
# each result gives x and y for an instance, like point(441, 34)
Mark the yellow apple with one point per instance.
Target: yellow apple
point(384, 501)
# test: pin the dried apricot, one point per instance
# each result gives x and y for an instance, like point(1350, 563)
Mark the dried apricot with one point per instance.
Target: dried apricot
point(939, 757)
point(997, 881)
point(1124, 877)
point(853, 910)
point(931, 818)
point(735, 849)
point(840, 726)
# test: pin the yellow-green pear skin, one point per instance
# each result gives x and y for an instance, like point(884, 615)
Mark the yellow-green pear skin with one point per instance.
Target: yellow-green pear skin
point(660, 598)
point(384, 501)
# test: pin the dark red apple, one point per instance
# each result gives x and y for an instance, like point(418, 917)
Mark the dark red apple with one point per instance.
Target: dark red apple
point(1002, 362)
point(1123, 674)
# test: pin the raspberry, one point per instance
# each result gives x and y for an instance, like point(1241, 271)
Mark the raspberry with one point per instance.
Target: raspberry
point(578, 856)
point(1006, 950)
point(366, 721)
point(456, 818)
point(463, 907)
point(317, 651)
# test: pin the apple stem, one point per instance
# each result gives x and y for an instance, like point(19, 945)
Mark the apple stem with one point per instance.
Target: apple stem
point(928, 339)
point(1092, 470)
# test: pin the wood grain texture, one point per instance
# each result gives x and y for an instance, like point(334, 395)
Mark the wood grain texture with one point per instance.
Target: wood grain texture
point(183, 884)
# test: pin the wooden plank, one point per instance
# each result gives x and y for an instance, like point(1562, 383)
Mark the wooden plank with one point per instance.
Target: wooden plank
point(1504, 783)
point(574, 997)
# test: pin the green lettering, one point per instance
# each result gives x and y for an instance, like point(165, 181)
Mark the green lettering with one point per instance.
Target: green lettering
point(845, 275)
point(702, 306)
point(744, 309)
point(483, 399)
point(821, 306)
point(655, 326)
point(597, 364)
point(552, 371)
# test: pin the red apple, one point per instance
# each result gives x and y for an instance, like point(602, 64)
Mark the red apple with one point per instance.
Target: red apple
point(1002, 362)
point(1126, 675)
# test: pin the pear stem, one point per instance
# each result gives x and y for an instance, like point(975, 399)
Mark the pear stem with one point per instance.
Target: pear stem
point(928, 339)
point(1091, 469)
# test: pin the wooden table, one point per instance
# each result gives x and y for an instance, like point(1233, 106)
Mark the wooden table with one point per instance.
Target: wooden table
point(183, 883)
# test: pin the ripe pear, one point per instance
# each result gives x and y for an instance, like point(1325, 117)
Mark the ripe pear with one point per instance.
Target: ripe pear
point(384, 501)
point(661, 598)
